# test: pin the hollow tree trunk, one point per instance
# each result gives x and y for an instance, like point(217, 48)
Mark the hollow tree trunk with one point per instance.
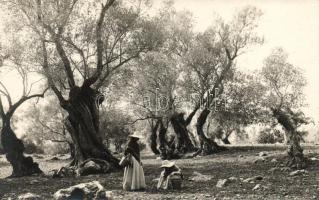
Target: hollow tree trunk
point(296, 157)
point(83, 126)
point(153, 138)
point(183, 141)
point(13, 148)
point(207, 146)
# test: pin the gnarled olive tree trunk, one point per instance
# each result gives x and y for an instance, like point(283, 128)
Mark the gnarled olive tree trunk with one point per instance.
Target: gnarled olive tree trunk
point(13, 148)
point(162, 139)
point(83, 126)
point(207, 145)
point(153, 138)
point(183, 141)
point(296, 157)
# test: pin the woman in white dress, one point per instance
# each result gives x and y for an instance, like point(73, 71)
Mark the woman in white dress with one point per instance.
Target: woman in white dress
point(133, 179)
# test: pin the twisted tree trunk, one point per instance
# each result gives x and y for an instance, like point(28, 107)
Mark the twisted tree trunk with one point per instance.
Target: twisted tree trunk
point(296, 157)
point(207, 145)
point(153, 138)
point(183, 141)
point(13, 148)
point(83, 126)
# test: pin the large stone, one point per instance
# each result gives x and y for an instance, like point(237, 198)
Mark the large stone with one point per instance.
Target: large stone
point(94, 166)
point(222, 183)
point(92, 190)
point(89, 168)
point(29, 196)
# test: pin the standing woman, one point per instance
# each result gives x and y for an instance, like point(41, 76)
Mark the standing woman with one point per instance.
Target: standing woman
point(133, 173)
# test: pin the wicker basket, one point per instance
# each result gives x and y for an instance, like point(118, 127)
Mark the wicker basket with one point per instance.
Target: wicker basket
point(176, 182)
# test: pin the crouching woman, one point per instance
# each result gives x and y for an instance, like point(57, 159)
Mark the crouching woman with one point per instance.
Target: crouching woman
point(171, 176)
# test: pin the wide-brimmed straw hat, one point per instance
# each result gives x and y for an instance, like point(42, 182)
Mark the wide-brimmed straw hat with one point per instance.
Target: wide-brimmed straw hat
point(134, 135)
point(167, 163)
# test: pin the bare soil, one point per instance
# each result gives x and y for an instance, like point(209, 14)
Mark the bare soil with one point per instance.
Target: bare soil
point(238, 161)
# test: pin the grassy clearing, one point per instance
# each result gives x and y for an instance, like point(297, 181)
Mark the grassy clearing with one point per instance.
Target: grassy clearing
point(237, 162)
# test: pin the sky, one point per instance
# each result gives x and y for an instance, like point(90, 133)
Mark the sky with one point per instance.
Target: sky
point(292, 25)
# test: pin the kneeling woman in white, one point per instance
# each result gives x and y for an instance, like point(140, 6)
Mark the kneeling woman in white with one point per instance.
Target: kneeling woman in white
point(171, 176)
point(133, 173)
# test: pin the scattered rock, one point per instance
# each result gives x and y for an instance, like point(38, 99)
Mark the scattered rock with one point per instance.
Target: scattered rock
point(92, 190)
point(262, 154)
point(29, 196)
point(274, 160)
point(314, 159)
point(252, 179)
point(222, 183)
point(232, 179)
point(298, 172)
point(198, 177)
point(274, 169)
point(260, 160)
point(257, 187)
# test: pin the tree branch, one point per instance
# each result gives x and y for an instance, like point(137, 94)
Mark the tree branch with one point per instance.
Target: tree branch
point(99, 45)
point(14, 107)
point(58, 45)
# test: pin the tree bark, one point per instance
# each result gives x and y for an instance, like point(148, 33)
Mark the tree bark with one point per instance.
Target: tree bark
point(296, 157)
point(207, 145)
point(13, 148)
point(153, 138)
point(162, 139)
point(83, 126)
point(183, 141)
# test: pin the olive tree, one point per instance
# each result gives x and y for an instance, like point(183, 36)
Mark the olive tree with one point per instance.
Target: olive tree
point(285, 98)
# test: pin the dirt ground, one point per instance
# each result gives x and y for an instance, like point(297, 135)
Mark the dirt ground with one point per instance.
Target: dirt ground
point(239, 162)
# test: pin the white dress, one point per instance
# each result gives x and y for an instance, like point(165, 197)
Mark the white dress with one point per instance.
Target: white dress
point(134, 176)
